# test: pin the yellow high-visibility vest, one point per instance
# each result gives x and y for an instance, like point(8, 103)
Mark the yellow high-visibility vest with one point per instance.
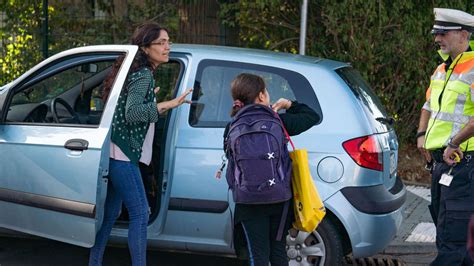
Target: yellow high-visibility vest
point(451, 101)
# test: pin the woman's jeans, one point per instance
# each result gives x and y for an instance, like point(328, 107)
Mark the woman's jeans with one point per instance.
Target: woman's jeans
point(125, 185)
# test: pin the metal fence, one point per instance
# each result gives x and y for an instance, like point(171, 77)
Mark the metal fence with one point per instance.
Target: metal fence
point(75, 23)
point(189, 22)
point(200, 23)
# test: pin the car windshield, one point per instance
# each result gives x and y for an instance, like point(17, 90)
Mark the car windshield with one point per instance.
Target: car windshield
point(371, 104)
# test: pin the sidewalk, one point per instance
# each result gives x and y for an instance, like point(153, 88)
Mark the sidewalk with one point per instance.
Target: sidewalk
point(415, 242)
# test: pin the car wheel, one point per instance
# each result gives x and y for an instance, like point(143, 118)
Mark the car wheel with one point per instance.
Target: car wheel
point(321, 247)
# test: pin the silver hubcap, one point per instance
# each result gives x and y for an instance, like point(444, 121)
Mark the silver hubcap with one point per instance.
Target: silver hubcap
point(305, 248)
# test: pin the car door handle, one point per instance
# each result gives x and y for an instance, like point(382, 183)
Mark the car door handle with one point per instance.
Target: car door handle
point(76, 144)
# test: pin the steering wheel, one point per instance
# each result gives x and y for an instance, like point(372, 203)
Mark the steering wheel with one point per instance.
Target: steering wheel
point(54, 111)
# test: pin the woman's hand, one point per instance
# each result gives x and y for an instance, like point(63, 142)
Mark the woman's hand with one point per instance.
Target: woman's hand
point(282, 103)
point(166, 105)
point(182, 98)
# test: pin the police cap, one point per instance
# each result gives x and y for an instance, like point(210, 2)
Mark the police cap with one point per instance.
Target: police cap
point(452, 19)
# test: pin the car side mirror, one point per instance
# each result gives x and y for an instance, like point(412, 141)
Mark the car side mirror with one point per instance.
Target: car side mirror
point(88, 68)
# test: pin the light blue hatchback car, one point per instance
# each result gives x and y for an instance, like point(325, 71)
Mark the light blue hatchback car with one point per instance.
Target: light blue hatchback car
point(55, 136)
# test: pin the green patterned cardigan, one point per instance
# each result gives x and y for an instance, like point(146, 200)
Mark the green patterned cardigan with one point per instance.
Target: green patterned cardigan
point(135, 110)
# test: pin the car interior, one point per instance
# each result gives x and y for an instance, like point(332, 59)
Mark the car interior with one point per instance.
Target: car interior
point(72, 97)
point(69, 97)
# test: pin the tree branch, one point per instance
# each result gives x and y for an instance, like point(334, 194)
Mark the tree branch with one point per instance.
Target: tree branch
point(283, 41)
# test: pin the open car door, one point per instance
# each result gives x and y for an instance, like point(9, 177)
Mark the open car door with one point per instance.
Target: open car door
point(53, 171)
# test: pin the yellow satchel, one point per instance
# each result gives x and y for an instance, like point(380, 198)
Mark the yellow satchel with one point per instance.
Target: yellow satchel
point(308, 206)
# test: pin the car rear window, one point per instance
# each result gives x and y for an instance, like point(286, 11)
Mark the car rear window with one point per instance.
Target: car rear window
point(371, 104)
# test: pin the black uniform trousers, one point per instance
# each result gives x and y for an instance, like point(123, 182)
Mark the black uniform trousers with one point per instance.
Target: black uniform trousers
point(451, 207)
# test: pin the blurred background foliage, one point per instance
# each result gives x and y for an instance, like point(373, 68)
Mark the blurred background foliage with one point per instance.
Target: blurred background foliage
point(388, 41)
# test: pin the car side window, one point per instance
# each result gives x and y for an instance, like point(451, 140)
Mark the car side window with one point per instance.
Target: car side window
point(90, 105)
point(212, 100)
point(68, 92)
point(167, 78)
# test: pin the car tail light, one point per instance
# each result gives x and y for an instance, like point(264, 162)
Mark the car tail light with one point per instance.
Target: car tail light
point(365, 151)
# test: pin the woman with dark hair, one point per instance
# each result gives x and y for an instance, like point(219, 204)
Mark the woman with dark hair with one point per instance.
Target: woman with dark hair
point(131, 140)
point(257, 225)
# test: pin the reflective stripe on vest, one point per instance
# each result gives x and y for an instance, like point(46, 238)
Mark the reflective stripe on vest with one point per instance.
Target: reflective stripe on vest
point(457, 104)
point(455, 118)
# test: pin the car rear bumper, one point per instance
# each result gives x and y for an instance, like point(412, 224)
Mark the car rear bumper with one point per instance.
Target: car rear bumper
point(376, 199)
point(370, 230)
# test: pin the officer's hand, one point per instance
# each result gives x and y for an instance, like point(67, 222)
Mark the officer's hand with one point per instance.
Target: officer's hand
point(420, 143)
point(449, 155)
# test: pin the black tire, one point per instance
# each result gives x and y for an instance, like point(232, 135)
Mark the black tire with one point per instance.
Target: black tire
point(322, 247)
point(332, 240)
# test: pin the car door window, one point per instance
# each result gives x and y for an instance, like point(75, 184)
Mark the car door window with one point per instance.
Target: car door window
point(212, 100)
point(90, 105)
point(62, 94)
point(166, 78)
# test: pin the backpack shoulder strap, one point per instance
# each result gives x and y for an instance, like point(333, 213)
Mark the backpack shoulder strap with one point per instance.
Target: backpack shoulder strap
point(286, 132)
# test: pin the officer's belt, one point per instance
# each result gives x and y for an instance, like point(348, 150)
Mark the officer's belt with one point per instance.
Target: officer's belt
point(437, 155)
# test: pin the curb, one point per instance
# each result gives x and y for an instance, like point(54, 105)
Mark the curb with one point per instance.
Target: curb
point(415, 248)
point(413, 183)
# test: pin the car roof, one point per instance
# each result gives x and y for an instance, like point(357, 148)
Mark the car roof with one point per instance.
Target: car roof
point(215, 50)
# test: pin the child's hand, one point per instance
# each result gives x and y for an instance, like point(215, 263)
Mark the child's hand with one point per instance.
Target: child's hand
point(282, 103)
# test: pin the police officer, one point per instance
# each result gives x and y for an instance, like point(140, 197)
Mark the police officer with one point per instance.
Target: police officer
point(449, 107)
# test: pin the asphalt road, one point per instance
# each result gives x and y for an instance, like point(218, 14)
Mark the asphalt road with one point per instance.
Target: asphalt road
point(47, 252)
point(410, 247)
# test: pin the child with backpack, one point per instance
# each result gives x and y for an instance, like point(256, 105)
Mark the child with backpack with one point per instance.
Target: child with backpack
point(259, 167)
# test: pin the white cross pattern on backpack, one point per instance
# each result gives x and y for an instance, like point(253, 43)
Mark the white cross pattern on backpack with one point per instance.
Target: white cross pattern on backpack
point(272, 181)
point(271, 155)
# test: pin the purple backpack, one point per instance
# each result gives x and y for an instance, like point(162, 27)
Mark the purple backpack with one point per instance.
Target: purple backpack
point(259, 169)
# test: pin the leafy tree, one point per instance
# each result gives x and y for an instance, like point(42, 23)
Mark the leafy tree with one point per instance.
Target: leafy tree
point(69, 26)
point(20, 37)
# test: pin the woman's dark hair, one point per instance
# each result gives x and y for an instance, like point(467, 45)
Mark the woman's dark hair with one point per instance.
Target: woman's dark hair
point(143, 36)
point(245, 88)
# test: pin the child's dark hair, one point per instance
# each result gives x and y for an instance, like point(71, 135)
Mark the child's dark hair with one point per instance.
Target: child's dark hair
point(143, 36)
point(245, 88)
